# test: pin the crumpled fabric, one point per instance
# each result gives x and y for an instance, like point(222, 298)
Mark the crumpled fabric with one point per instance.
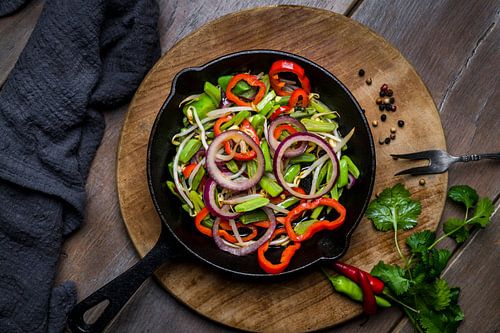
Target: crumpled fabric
point(83, 57)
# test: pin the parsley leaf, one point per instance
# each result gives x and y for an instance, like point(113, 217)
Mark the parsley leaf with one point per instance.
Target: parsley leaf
point(394, 209)
point(455, 228)
point(464, 194)
point(393, 276)
point(482, 212)
point(420, 241)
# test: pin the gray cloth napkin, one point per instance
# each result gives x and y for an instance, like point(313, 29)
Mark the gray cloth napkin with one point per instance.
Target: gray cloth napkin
point(84, 56)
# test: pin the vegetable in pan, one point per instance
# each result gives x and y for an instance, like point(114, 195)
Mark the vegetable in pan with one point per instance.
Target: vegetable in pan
point(260, 164)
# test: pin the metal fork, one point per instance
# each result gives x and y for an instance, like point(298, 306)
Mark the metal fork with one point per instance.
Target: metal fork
point(440, 161)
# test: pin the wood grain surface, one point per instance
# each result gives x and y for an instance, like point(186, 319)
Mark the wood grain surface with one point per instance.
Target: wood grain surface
point(453, 45)
point(342, 46)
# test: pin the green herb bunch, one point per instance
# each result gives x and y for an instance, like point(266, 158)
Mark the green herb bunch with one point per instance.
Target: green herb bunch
point(427, 299)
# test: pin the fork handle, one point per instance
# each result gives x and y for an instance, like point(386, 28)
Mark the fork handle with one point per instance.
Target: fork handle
point(477, 157)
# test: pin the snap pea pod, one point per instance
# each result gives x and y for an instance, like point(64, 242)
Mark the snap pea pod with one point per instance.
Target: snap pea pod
point(236, 120)
point(334, 193)
point(251, 168)
point(268, 108)
point(291, 172)
point(213, 92)
point(202, 105)
point(316, 212)
point(252, 217)
point(301, 227)
point(349, 288)
point(197, 201)
point(353, 169)
point(282, 100)
point(251, 204)
point(267, 98)
point(267, 156)
point(318, 125)
point(267, 82)
point(232, 166)
point(197, 178)
point(208, 222)
point(322, 174)
point(258, 123)
point(189, 150)
point(304, 158)
point(238, 89)
point(270, 186)
point(171, 187)
point(288, 202)
point(343, 174)
point(301, 113)
point(186, 208)
point(170, 167)
point(319, 106)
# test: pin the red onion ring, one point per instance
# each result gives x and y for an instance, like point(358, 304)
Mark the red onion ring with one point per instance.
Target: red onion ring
point(209, 200)
point(241, 183)
point(274, 143)
point(278, 165)
point(252, 247)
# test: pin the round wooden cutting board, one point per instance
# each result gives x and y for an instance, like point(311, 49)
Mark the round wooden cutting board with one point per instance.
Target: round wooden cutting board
point(305, 302)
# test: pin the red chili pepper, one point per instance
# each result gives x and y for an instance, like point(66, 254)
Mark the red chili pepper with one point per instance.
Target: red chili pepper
point(279, 111)
point(188, 169)
point(245, 127)
point(299, 94)
point(284, 127)
point(317, 226)
point(253, 81)
point(282, 66)
point(369, 302)
point(351, 272)
point(286, 255)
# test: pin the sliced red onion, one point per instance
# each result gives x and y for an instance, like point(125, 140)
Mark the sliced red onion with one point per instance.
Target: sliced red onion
point(274, 143)
point(242, 183)
point(279, 162)
point(211, 204)
point(350, 181)
point(251, 247)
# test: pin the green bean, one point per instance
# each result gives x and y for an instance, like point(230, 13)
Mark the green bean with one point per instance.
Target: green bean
point(282, 100)
point(288, 202)
point(267, 98)
point(252, 217)
point(236, 120)
point(319, 106)
point(343, 174)
point(251, 204)
point(189, 150)
point(251, 168)
point(238, 89)
point(213, 92)
point(318, 125)
point(197, 201)
point(197, 178)
point(267, 156)
point(349, 288)
point(202, 105)
point(302, 227)
point(232, 166)
point(258, 123)
point(270, 186)
point(171, 187)
point(291, 172)
point(304, 158)
point(353, 169)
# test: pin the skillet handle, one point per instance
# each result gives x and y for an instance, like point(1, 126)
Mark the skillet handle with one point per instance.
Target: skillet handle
point(119, 290)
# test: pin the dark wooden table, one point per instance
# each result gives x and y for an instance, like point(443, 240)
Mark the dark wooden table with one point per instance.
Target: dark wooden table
point(454, 45)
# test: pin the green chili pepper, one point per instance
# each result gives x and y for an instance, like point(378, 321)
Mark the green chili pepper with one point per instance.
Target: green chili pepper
point(267, 98)
point(232, 166)
point(270, 186)
point(202, 105)
point(282, 100)
point(319, 106)
point(252, 217)
point(304, 158)
point(291, 172)
point(353, 169)
point(258, 124)
point(267, 156)
point(343, 174)
point(251, 205)
point(238, 89)
point(349, 288)
point(302, 227)
point(318, 125)
point(197, 178)
point(236, 120)
point(213, 92)
point(267, 108)
point(195, 197)
point(189, 150)
point(288, 202)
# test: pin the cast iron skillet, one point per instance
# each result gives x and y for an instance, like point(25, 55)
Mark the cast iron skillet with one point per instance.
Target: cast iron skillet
point(178, 233)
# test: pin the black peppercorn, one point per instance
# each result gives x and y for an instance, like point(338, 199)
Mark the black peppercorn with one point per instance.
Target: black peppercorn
point(394, 107)
point(392, 100)
point(381, 107)
point(388, 107)
point(361, 72)
point(384, 87)
point(401, 123)
point(387, 141)
point(383, 117)
point(382, 93)
point(389, 92)
point(369, 81)
point(381, 141)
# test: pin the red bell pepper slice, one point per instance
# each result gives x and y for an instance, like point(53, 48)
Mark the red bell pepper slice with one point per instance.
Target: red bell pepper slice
point(253, 81)
point(317, 226)
point(286, 255)
point(188, 169)
point(224, 225)
point(284, 127)
point(282, 66)
point(245, 127)
point(223, 233)
point(299, 95)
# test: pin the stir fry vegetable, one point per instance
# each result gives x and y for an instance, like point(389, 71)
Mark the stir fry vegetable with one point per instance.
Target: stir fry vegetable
point(260, 164)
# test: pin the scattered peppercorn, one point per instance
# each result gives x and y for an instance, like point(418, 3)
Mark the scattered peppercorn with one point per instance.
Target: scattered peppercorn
point(382, 93)
point(384, 87)
point(401, 123)
point(383, 117)
point(381, 141)
point(387, 141)
point(392, 100)
point(386, 100)
point(389, 92)
point(378, 101)
point(421, 182)
point(381, 107)
point(388, 107)
point(393, 130)
point(393, 136)
point(375, 123)
point(361, 72)
point(369, 81)
point(393, 108)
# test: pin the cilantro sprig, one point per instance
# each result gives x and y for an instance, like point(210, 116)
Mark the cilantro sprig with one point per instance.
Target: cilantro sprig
point(427, 299)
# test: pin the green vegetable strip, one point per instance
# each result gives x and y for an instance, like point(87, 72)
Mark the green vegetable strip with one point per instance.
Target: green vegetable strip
point(258, 123)
point(343, 179)
point(353, 169)
point(319, 106)
point(213, 92)
point(270, 186)
point(186, 208)
point(301, 114)
point(301, 227)
point(316, 211)
point(288, 202)
point(236, 120)
point(291, 172)
point(267, 108)
point(252, 217)
point(304, 158)
point(240, 87)
point(322, 174)
point(170, 167)
point(267, 98)
point(251, 204)
point(318, 126)
point(189, 150)
point(232, 166)
point(265, 79)
point(208, 222)
point(282, 100)
point(267, 156)
point(251, 168)
point(197, 201)
point(334, 193)
point(171, 187)
point(197, 178)
point(201, 106)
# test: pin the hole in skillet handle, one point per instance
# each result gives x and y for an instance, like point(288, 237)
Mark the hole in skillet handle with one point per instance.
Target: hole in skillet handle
point(118, 291)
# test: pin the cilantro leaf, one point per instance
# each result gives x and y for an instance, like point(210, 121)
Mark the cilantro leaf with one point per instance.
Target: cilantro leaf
point(394, 209)
point(420, 241)
point(442, 294)
point(463, 194)
point(482, 212)
point(436, 260)
point(393, 276)
point(455, 228)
